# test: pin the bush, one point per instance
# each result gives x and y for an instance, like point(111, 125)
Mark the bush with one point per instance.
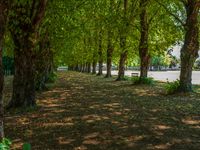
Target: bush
point(172, 87)
point(5, 144)
point(52, 77)
point(144, 80)
point(127, 78)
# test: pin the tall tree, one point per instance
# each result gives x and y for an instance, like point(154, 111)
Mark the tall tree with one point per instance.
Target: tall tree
point(25, 18)
point(143, 47)
point(110, 46)
point(110, 50)
point(100, 52)
point(189, 51)
point(3, 19)
point(124, 53)
point(186, 14)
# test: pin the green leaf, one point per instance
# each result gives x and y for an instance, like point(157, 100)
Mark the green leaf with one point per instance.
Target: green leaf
point(27, 146)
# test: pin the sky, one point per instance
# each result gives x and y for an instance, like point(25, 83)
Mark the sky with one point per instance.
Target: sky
point(176, 51)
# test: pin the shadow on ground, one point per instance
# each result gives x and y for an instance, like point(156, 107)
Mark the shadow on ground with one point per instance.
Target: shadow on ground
point(85, 112)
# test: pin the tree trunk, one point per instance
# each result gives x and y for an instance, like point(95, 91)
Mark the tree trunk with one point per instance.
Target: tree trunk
point(123, 56)
point(3, 20)
point(122, 62)
point(100, 52)
point(24, 35)
point(1, 90)
point(110, 50)
point(44, 63)
point(24, 78)
point(143, 48)
point(85, 68)
point(88, 67)
point(189, 51)
point(94, 65)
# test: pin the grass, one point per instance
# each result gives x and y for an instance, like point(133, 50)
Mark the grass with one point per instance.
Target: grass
point(86, 112)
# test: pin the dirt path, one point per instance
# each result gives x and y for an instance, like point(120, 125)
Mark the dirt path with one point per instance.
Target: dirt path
point(85, 112)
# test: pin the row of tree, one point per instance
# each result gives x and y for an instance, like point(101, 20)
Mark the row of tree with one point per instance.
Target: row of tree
point(81, 33)
point(125, 31)
point(22, 23)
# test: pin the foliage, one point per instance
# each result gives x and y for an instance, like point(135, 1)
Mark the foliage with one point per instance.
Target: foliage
point(197, 65)
point(26, 146)
point(142, 80)
point(8, 65)
point(51, 77)
point(5, 144)
point(172, 87)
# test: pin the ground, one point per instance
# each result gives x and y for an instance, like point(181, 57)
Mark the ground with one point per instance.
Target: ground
point(86, 112)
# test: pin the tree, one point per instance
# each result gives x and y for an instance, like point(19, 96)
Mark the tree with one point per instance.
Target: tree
point(110, 47)
point(4, 6)
point(100, 54)
point(143, 47)
point(189, 51)
point(24, 20)
point(185, 14)
point(124, 53)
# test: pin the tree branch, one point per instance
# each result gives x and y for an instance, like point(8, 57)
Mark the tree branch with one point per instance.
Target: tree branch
point(169, 12)
point(40, 12)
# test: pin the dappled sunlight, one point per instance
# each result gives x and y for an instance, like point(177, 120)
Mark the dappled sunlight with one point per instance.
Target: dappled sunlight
point(83, 112)
point(112, 105)
point(56, 124)
point(91, 142)
point(91, 135)
point(23, 121)
point(162, 146)
point(134, 138)
point(145, 92)
point(82, 147)
point(65, 141)
point(192, 122)
point(93, 118)
point(17, 144)
point(162, 127)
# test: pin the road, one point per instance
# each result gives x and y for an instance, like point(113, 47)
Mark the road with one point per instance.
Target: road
point(166, 75)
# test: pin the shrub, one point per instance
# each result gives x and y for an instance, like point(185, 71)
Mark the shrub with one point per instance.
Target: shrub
point(52, 77)
point(172, 87)
point(127, 78)
point(5, 144)
point(27, 146)
point(144, 80)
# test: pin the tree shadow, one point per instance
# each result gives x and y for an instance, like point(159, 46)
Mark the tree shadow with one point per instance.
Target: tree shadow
point(82, 112)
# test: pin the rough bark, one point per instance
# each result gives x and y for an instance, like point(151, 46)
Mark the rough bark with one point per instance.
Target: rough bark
point(3, 20)
point(83, 67)
point(189, 51)
point(124, 53)
point(110, 50)
point(24, 35)
point(88, 67)
point(122, 62)
point(143, 47)
point(100, 52)
point(44, 63)
point(23, 83)
point(94, 65)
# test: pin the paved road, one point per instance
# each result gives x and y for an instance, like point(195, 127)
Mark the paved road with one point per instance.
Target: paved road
point(166, 75)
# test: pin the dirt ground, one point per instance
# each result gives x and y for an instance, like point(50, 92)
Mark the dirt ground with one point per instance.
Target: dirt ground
point(86, 112)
